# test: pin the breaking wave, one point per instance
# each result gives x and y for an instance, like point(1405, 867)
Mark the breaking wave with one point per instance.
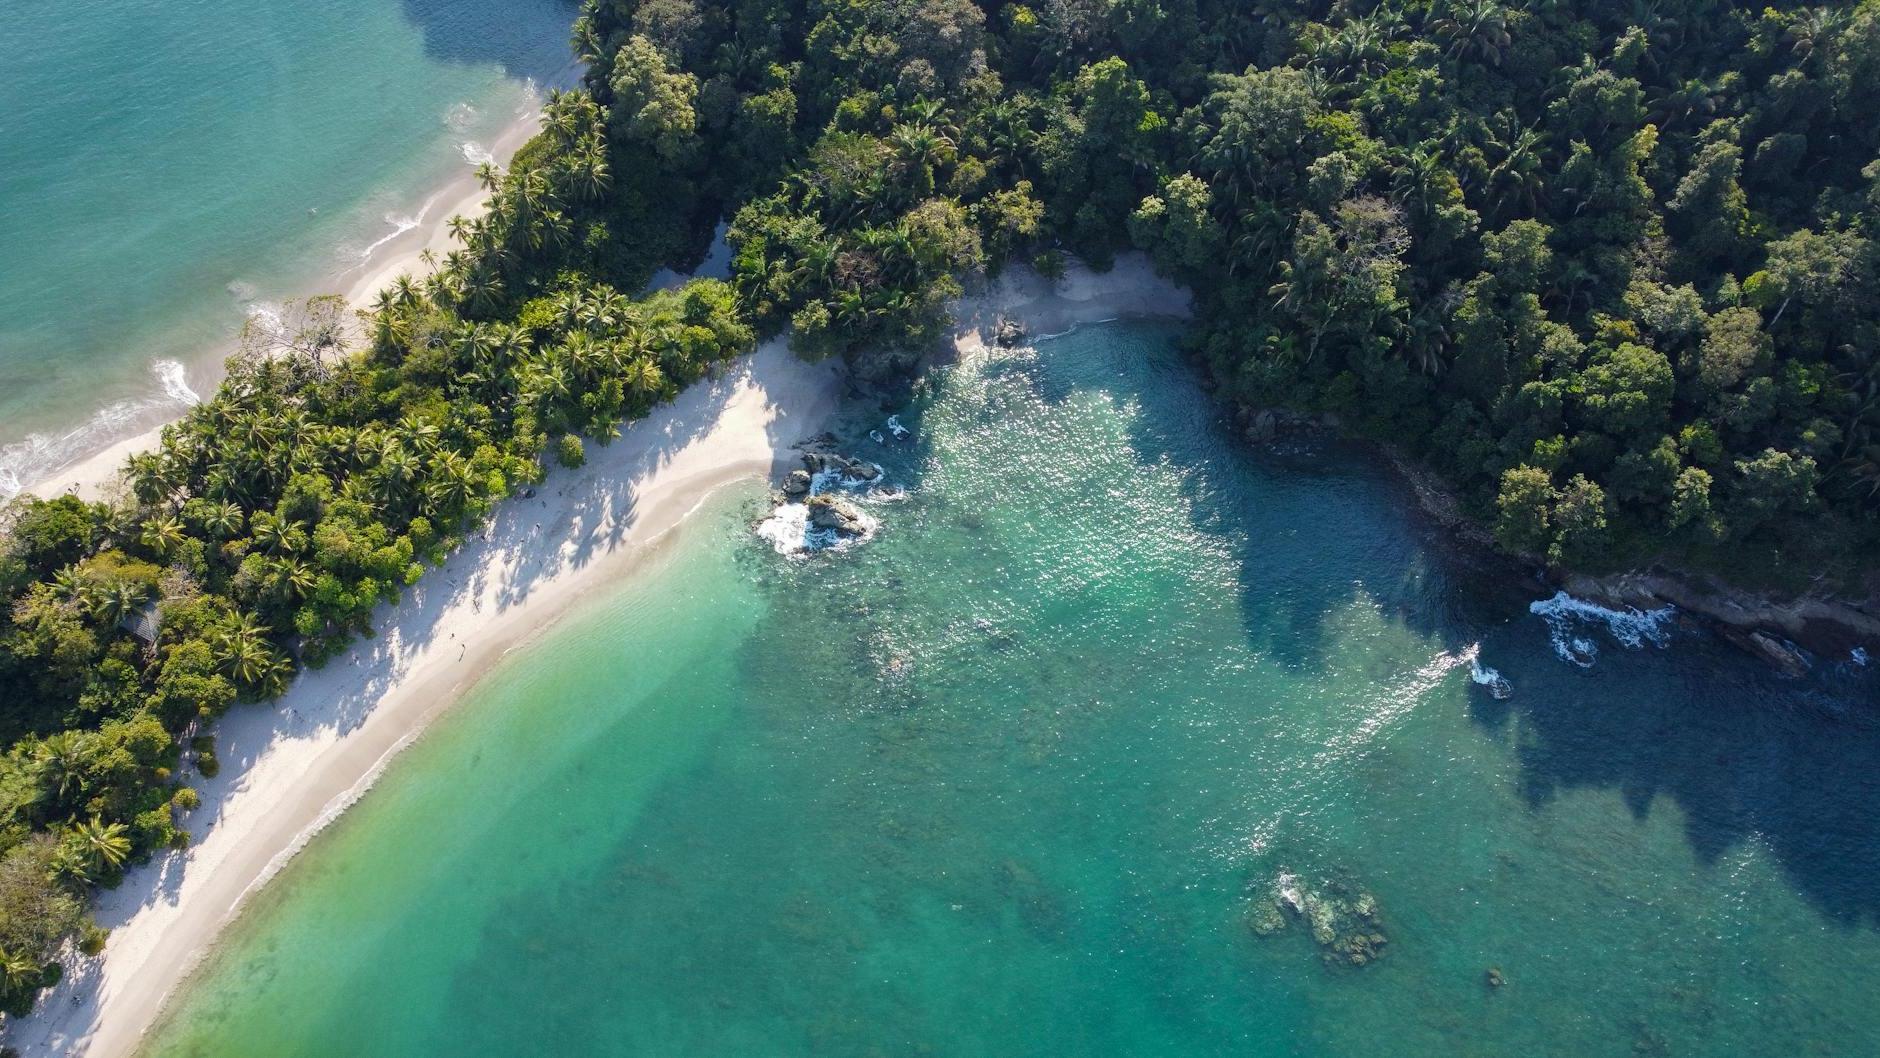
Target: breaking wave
point(175, 382)
point(1566, 616)
point(790, 533)
point(475, 153)
point(38, 456)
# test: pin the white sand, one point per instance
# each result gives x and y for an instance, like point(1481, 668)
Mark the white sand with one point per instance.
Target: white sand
point(96, 476)
point(291, 766)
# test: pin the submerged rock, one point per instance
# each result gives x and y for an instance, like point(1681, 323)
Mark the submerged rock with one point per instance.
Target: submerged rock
point(1494, 978)
point(1365, 907)
point(1344, 924)
point(1266, 918)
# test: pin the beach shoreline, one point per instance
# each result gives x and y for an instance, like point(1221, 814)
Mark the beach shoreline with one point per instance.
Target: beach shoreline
point(292, 766)
point(92, 475)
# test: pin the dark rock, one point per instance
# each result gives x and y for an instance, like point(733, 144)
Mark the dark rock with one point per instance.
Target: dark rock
point(827, 512)
point(1009, 333)
point(796, 484)
point(1823, 623)
point(1784, 655)
point(1264, 427)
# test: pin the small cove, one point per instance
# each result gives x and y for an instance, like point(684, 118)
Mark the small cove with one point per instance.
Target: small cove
point(1020, 774)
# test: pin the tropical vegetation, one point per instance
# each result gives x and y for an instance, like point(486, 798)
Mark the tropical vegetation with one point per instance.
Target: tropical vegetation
point(1612, 268)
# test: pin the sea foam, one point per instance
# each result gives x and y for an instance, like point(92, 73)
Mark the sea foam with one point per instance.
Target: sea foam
point(788, 528)
point(1565, 615)
point(38, 456)
point(175, 382)
point(460, 117)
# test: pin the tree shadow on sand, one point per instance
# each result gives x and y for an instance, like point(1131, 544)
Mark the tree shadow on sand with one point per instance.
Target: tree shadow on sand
point(596, 517)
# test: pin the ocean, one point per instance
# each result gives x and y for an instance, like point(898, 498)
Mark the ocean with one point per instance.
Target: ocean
point(173, 166)
point(1117, 737)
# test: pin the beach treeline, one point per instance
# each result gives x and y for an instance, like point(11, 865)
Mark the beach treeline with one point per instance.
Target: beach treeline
point(1609, 268)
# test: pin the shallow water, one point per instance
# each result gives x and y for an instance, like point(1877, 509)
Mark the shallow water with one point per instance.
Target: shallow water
point(172, 165)
point(1017, 776)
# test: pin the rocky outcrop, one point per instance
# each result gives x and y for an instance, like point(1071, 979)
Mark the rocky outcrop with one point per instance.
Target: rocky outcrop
point(1009, 333)
point(1437, 500)
point(1343, 920)
point(1780, 631)
point(1266, 425)
point(796, 484)
point(837, 515)
point(852, 470)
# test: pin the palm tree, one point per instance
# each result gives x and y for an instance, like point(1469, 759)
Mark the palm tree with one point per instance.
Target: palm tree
point(163, 535)
point(153, 478)
point(1519, 177)
point(922, 149)
point(419, 433)
point(592, 177)
point(393, 476)
point(405, 292)
point(224, 520)
point(607, 312)
point(488, 176)
point(452, 483)
point(296, 578)
point(643, 376)
point(19, 973)
point(1008, 137)
point(98, 846)
point(119, 599)
point(62, 762)
point(1475, 26)
point(1695, 98)
point(276, 535)
point(558, 118)
point(482, 288)
point(1814, 29)
point(69, 585)
point(242, 652)
point(275, 678)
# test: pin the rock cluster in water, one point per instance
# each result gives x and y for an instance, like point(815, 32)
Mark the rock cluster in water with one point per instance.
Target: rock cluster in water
point(1343, 921)
point(817, 502)
point(825, 471)
point(1266, 425)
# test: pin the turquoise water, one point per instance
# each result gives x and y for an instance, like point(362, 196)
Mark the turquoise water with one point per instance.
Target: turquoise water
point(173, 164)
point(1019, 775)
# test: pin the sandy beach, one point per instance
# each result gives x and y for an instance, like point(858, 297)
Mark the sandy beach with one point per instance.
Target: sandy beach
point(93, 476)
point(291, 766)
